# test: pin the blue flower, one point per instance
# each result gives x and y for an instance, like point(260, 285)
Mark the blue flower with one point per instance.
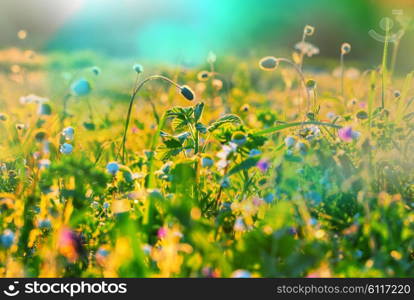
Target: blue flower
point(207, 162)
point(263, 165)
point(81, 87)
point(254, 152)
point(112, 167)
point(7, 238)
point(138, 68)
point(66, 148)
point(269, 198)
point(68, 133)
point(45, 224)
point(241, 274)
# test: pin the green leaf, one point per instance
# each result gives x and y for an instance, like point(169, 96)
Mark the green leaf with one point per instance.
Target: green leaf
point(183, 112)
point(198, 110)
point(224, 120)
point(179, 124)
point(244, 165)
point(201, 127)
point(183, 136)
point(172, 142)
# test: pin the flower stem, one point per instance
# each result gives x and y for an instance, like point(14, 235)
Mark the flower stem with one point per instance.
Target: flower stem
point(301, 76)
point(131, 102)
point(288, 125)
point(384, 63)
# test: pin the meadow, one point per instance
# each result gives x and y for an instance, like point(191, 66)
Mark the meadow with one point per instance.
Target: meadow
point(261, 167)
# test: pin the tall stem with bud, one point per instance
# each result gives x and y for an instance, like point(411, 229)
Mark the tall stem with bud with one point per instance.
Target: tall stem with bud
point(185, 91)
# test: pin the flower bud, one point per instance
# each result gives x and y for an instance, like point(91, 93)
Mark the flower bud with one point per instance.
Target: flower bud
point(81, 87)
point(207, 162)
point(112, 167)
point(203, 75)
point(345, 48)
point(96, 71)
point(309, 30)
point(138, 68)
point(268, 63)
point(187, 92)
point(290, 141)
point(68, 133)
point(66, 148)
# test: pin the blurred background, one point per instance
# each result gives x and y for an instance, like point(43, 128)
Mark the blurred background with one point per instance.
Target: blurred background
point(184, 31)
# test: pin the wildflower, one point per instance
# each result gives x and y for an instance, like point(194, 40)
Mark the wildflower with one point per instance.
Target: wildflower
point(210, 273)
point(211, 57)
point(7, 238)
point(311, 84)
point(225, 182)
point(347, 134)
point(254, 152)
point(22, 34)
point(44, 163)
point(69, 244)
point(239, 138)
point(217, 84)
point(44, 224)
point(362, 115)
point(66, 148)
point(138, 68)
point(226, 150)
point(207, 162)
point(68, 133)
point(331, 115)
point(309, 30)
point(101, 256)
point(147, 249)
point(44, 109)
point(3, 117)
point(301, 147)
point(269, 198)
point(221, 164)
point(345, 48)
point(81, 87)
point(106, 205)
point(307, 49)
point(187, 92)
point(290, 141)
point(355, 134)
point(112, 167)
point(268, 63)
point(313, 132)
point(95, 70)
point(162, 232)
point(203, 75)
point(20, 126)
point(314, 197)
point(239, 225)
point(241, 274)
point(33, 99)
point(263, 165)
point(397, 94)
point(245, 108)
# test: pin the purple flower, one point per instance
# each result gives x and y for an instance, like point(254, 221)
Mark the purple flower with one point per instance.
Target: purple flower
point(162, 233)
point(263, 165)
point(347, 134)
